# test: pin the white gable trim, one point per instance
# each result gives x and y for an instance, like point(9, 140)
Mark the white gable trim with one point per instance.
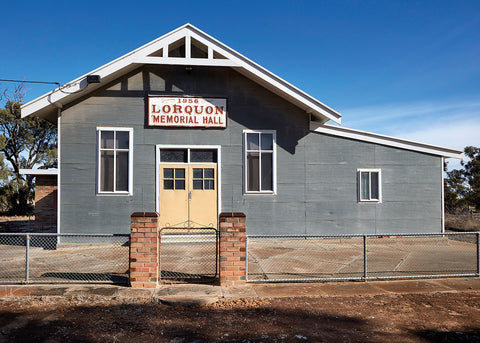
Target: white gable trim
point(140, 56)
point(385, 140)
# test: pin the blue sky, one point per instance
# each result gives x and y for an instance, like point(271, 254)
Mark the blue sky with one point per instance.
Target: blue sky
point(410, 69)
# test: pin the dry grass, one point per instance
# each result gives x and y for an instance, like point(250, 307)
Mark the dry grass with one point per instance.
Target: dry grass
point(467, 222)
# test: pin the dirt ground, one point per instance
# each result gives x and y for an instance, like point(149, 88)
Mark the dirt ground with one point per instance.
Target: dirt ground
point(437, 317)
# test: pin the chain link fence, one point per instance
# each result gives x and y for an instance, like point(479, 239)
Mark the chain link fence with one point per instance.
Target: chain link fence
point(64, 258)
point(362, 257)
point(188, 254)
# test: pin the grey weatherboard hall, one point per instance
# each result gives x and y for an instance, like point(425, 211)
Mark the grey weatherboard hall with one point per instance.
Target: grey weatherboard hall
point(257, 143)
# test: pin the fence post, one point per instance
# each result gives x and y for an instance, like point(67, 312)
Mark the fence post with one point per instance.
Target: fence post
point(27, 255)
point(478, 253)
point(233, 249)
point(364, 257)
point(144, 249)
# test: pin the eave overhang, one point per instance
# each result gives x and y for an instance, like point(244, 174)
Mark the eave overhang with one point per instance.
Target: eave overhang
point(385, 140)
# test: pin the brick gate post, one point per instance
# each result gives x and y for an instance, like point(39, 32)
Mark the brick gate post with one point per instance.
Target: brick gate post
point(144, 249)
point(233, 248)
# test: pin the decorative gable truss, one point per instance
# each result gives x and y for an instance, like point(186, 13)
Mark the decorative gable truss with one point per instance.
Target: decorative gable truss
point(187, 49)
point(187, 46)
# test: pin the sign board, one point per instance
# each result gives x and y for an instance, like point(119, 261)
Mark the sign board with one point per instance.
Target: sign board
point(187, 112)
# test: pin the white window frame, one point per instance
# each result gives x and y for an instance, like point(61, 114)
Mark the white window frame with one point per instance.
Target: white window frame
point(359, 184)
point(130, 161)
point(274, 163)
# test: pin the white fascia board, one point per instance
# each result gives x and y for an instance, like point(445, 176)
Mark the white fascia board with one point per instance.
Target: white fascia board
point(385, 140)
point(56, 96)
point(140, 56)
point(38, 171)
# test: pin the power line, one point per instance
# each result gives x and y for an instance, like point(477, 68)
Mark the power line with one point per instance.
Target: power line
point(25, 81)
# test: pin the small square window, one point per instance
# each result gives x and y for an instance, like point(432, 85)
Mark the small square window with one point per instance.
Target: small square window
point(197, 173)
point(209, 184)
point(167, 184)
point(369, 185)
point(179, 173)
point(208, 173)
point(168, 173)
point(203, 178)
point(173, 178)
point(197, 184)
point(179, 184)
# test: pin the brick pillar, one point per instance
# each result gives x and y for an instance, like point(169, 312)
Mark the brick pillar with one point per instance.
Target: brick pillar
point(144, 249)
point(46, 203)
point(233, 248)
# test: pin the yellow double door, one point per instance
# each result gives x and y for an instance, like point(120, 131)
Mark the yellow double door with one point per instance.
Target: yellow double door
point(188, 195)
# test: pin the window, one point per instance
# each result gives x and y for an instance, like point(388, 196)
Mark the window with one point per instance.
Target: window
point(203, 178)
point(369, 185)
point(174, 178)
point(115, 166)
point(260, 161)
point(188, 155)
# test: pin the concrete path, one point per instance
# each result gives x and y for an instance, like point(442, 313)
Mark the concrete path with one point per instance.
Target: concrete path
point(200, 294)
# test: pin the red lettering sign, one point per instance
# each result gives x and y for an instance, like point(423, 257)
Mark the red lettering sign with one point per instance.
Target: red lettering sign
point(187, 112)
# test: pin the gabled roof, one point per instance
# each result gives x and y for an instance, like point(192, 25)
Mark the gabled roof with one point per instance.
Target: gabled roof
point(189, 46)
point(385, 140)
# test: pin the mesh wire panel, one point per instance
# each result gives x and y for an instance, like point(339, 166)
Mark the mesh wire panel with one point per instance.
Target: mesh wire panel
point(63, 258)
point(12, 258)
point(422, 256)
point(284, 258)
point(309, 258)
point(188, 254)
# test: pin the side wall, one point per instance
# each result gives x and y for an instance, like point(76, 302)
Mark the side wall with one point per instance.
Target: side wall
point(411, 187)
point(316, 173)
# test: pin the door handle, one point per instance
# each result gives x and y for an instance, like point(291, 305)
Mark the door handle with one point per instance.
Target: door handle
point(190, 194)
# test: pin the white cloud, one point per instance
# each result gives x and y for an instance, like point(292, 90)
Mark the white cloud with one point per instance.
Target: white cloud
point(456, 135)
point(406, 114)
point(451, 124)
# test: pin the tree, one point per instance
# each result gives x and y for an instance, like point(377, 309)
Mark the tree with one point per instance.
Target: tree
point(4, 176)
point(26, 143)
point(472, 175)
point(454, 190)
point(462, 186)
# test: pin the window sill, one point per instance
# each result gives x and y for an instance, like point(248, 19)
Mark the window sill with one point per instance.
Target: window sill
point(260, 193)
point(114, 194)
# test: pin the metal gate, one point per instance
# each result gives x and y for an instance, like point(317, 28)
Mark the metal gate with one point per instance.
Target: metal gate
point(188, 254)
